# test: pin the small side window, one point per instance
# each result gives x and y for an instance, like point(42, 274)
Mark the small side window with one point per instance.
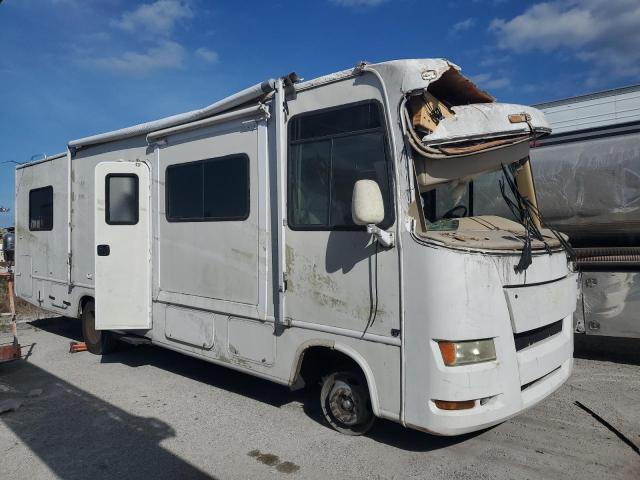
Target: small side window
point(121, 192)
point(41, 209)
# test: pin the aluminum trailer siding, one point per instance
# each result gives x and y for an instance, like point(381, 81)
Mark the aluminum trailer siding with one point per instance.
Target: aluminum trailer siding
point(588, 182)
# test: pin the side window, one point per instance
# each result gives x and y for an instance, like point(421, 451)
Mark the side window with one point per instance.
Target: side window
point(328, 152)
point(41, 209)
point(121, 191)
point(216, 189)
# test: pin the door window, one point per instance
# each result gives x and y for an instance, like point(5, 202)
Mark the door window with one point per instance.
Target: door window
point(121, 191)
point(329, 151)
point(41, 209)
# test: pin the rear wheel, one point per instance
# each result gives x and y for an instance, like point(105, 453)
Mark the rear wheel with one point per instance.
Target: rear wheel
point(99, 342)
point(346, 404)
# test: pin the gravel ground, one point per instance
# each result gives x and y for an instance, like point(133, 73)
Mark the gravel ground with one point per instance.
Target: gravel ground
point(150, 413)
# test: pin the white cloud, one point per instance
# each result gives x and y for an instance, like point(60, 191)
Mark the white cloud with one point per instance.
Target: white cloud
point(491, 82)
point(159, 17)
point(151, 43)
point(167, 54)
point(546, 26)
point(605, 33)
point(493, 60)
point(358, 3)
point(463, 25)
point(206, 55)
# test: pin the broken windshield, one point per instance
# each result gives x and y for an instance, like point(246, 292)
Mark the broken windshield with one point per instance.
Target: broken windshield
point(449, 201)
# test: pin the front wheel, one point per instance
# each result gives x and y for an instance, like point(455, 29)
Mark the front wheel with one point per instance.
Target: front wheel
point(346, 404)
point(99, 342)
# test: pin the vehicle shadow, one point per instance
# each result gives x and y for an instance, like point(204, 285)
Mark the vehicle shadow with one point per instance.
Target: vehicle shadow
point(61, 326)
point(180, 364)
point(78, 435)
point(610, 349)
point(384, 431)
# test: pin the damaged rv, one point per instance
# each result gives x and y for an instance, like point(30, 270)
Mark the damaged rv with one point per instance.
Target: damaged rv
point(317, 233)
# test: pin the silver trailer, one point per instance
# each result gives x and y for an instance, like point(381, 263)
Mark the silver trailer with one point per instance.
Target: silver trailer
point(286, 232)
point(588, 181)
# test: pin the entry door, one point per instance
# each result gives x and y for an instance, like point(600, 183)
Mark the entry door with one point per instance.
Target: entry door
point(123, 247)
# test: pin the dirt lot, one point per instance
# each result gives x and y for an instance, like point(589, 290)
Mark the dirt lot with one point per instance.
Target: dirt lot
point(24, 310)
point(150, 413)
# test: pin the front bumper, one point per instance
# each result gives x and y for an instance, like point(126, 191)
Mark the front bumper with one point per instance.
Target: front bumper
point(532, 329)
point(541, 368)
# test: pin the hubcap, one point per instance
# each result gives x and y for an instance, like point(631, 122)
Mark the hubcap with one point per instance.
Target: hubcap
point(345, 404)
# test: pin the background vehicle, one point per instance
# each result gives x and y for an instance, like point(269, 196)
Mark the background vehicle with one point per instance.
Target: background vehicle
point(596, 144)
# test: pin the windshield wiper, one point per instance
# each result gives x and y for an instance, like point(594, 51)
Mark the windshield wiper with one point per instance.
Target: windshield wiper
point(526, 213)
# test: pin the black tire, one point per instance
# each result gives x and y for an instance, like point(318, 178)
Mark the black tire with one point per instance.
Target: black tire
point(346, 404)
point(99, 342)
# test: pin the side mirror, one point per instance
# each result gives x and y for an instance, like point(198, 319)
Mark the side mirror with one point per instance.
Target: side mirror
point(367, 207)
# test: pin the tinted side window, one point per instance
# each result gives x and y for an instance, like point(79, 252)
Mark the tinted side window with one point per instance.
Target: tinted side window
point(335, 121)
point(41, 209)
point(215, 189)
point(329, 151)
point(121, 191)
point(184, 191)
point(226, 188)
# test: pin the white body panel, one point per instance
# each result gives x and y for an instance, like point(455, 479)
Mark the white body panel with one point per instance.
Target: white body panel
point(532, 308)
point(209, 261)
point(123, 275)
point(448, 310)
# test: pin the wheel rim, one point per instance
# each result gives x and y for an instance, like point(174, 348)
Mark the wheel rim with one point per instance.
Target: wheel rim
point(346, 404)
point(90, 332)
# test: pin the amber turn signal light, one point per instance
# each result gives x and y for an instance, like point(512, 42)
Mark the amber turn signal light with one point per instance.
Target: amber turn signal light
point(467, 351)
point(448, 351)
point(451, 405)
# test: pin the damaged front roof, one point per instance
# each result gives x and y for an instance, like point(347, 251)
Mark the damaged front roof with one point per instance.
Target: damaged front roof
point(412, 75)
point(470, 122)
point(415, 75)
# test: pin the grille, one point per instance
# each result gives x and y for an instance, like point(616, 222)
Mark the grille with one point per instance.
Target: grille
point(525, 339)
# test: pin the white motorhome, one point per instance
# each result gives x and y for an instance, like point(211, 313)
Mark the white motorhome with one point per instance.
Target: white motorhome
point(291, 231)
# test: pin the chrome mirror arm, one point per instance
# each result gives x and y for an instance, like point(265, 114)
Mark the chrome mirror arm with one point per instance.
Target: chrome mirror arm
point(384, 238)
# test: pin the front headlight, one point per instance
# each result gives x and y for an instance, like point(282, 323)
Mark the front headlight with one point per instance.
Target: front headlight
point(464, 353)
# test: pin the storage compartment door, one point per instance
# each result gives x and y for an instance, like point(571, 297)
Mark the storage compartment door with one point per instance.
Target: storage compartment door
point(123, 248)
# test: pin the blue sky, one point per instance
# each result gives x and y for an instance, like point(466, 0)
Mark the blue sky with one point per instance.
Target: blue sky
point(71, 68)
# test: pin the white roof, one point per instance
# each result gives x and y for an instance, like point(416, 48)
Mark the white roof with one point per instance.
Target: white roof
point(601, 109)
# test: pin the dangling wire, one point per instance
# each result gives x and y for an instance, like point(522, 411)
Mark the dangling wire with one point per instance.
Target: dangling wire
point(571, 254)
point(373, 294)
point(526, 213)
